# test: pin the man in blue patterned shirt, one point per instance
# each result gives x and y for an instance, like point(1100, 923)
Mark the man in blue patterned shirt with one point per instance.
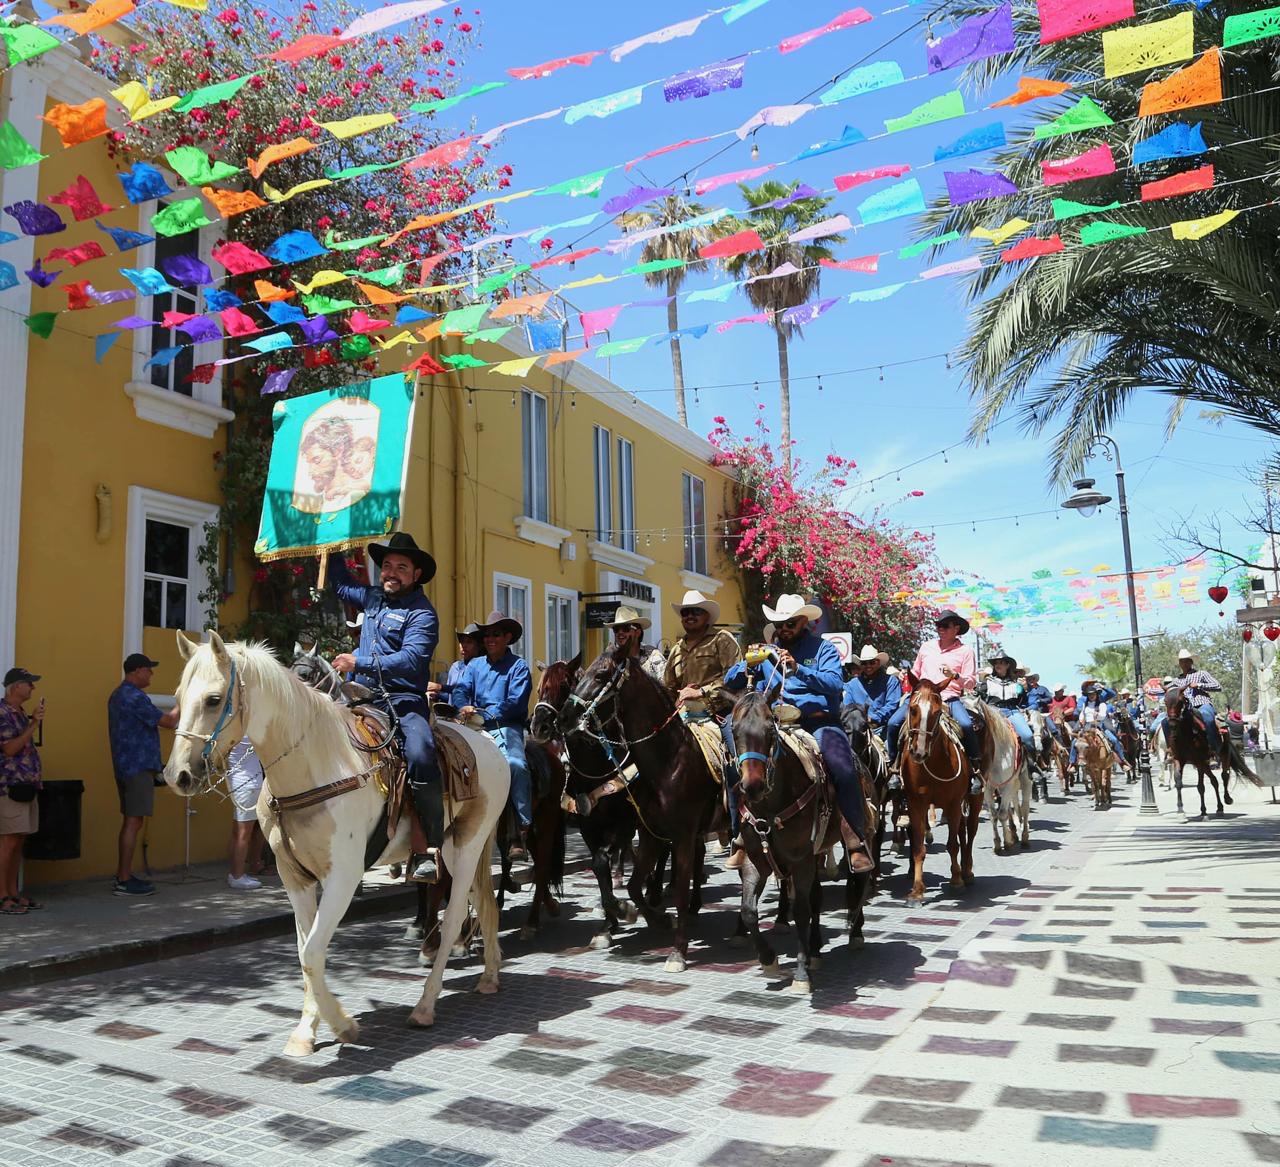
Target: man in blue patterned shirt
point(133, 723)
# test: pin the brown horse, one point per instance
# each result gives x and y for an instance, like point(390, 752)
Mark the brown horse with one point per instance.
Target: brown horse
point(935, 772)
point(1096, 761)
point(788, 823)
point(1188, 742)
point(634, 722)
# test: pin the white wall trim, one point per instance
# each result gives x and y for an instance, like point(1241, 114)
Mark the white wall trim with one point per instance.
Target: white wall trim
point(189, 512)
point(630, 562)
point(536, 531)
point(22, 100)
point(693, 581)
point(575, 625)
point(164, 407)
point(524, 646)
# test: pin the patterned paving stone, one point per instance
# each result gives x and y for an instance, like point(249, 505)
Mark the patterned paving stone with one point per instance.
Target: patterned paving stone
point(1176, 1106)
point(1207, 1028)
point(1071, 1101)
point(1200, 997)
point(764, 1100)
point(368, 1088)
point(532, 1061)
point(125, 1031)
point(1032, 958)
point(863, 1012)
point(922, 1117)
point(412, 1153)
point(10, 1114)
point(1265, 1148)
point(38, 1053)
point(1094, 1022)
point(125, 1072)
point(740, 1153)
point(555, 1041)
point(960, 1016)
point(844, 1040)
point(207, 1104)
point(642, 1082)
point(653, 1061)
point(1094, 1132)
point(492, 1115)
point(197, 1045)
point(653, 988)
point(917, 1089)
point(913, 1161)
point(983, 974)
point(312, 1133)
point(1089, 964)
point(602, 1134)
point(1249, 1062)
point(1089, 990)
point(1117, 1055)
point(88, 1138)
point(733, 1026)
point(645, 1014)
point(978, 1047)
point(773, 1001)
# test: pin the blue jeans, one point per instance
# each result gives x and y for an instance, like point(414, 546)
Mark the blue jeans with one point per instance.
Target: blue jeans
point(1017, 719)
point(843, 772)
point(1208, 715)
point(957, 709)
point(423, 769)
point(510, 739)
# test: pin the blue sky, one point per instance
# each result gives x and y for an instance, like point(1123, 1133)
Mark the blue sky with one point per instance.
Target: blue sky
point(916, 409)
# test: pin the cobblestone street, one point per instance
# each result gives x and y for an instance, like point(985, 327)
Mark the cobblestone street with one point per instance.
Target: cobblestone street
point(1084, 998)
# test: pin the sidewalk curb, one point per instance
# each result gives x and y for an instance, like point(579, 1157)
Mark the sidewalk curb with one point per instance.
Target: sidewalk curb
point(109, 957)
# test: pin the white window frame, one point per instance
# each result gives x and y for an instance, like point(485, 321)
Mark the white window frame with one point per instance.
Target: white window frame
point(694, 541)
point(147, 504)
point(535, 462)
point(602, 459)
point(552, 592)
point(524, 646)
point(626, 494)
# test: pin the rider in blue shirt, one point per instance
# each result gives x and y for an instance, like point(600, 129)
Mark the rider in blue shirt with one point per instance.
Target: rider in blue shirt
point(875, 688)
point(397, 639)
point(809, 670)
point(497, 686)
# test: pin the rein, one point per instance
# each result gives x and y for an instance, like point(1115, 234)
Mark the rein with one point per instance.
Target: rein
point(925, 734)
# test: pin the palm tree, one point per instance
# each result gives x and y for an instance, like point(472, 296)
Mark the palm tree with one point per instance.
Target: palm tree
point(672, 245)
point(775, 225)
point(1072, 336)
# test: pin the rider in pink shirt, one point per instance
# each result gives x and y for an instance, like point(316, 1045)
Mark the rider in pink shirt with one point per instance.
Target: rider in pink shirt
point(950, 664)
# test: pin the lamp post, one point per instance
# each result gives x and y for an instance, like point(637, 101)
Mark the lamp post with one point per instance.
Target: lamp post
point(1086, 500)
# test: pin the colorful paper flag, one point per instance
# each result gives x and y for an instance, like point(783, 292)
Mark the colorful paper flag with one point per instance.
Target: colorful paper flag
point(180, 217)
point(705, 81)
point(661, 37)
point(24, 41)
point(603, 107)
point(79, 123)
point(1148, 46)
point(902, 198)
point(1064, 18)
point(1066, 209)
point(1176, 141)
point(1031, 88)
point(1241, 28)
point(213, 94)
point(15, 151)
point(1032, 248)
point(194, 167)
point(1086, 114)
point(1106, 232)
point(1198, 84)
point(948, 105)
point(706, 185)
point(914, 249)
point(737, 244)
point(850, 19)
point(1199, 228)
point(877, 75)
point(1178, 184)
point(361, 124)
point(82, 200)
point(846, 182)
point(1089, 164)
point(970, 186)
point(974, 142)
point(977, 37)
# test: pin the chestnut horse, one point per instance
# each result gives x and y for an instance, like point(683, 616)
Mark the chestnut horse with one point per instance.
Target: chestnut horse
point(935, 772)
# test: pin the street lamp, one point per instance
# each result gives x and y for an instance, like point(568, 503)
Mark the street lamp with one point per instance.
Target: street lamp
point(1087, 500)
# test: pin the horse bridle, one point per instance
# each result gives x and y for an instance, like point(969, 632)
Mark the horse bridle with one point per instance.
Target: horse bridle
point(225, 716)
point(925, 733)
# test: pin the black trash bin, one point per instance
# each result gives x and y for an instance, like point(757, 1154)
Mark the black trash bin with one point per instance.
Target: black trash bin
point(59, 833)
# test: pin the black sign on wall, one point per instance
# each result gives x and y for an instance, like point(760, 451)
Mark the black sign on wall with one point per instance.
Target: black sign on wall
point(599, 614)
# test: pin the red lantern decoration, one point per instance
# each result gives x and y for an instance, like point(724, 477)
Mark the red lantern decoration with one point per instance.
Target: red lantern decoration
point(1247, 635)
point(1271, 632)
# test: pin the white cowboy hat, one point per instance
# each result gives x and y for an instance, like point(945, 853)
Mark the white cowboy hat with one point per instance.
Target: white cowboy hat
point(695, 599)
point(1183, 654)
point(790, 606)
point(869, 653)
point(625, 615)
point(1166, 680)
point(1060, 688)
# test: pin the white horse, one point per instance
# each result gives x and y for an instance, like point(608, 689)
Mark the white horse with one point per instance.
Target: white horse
point(1006, 773)
point(304, 739)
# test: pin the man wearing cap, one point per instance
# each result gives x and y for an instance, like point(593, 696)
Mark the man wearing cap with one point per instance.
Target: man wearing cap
point(397, 639)
point(1195, 683)
point(700, 659)
point(1003, 691)
point(1094, 711)
point(133, 724)
point(948, 663)
point(875, 687)
point(19, 766)
point(470, 646)
point(1038, 695)
point(497, 686)
point(812, 682)
point(628, 630)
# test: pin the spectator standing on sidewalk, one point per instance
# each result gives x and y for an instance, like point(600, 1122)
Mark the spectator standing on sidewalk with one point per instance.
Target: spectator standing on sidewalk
point(19, 767)
point(244, 779)
point(134, 722)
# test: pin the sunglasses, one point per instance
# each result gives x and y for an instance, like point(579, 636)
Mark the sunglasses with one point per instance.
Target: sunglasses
point(947, 624)
point(794, 622)
point(686, 613)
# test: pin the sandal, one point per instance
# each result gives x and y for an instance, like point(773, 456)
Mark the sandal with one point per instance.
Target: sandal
point(11, 906)
point(30, 904)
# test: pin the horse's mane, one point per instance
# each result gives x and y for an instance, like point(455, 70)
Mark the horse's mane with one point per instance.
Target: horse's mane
point(751, 707)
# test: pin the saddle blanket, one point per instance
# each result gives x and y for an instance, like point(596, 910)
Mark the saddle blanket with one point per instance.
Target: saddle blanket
point(707, 735)
point(457, 763)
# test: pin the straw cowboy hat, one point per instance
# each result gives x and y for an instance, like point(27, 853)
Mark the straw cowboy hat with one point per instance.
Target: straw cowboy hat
point(496, 621)
point(402, 543)
point(790, 606)
point(869, 653)
point(625, 615)
point(695, 599)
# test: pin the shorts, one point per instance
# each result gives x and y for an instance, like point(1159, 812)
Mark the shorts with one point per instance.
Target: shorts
point(137, 794)
point(19, 818)
point(245, 784)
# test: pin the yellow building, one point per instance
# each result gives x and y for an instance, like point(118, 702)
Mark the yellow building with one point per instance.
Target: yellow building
point(529, 493)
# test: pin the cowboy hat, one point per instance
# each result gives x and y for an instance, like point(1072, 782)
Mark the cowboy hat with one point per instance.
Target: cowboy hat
point(402, 543)
point(1183, 654)
point(695, 599)
point(1003, 656)
point(1166, 680)
point(869, 653)
point(1060, 688)
point(1030, 675)
point(471, 630)
point(497, 622)
point(948, 614)
point(625, 615)
point(789, 606)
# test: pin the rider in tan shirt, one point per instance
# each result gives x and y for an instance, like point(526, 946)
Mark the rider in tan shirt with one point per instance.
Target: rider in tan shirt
point(700, 658)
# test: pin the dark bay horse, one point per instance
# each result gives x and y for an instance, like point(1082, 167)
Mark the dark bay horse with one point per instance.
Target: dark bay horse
point(872, 756)
point(1188, 742)
point(788, 823)
point(635, 723)
point(935, 772)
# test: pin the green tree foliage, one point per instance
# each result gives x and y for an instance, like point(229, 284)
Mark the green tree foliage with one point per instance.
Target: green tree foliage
point(1216, 647)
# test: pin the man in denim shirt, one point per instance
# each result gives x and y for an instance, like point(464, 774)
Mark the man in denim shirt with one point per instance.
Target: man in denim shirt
point(497, 686)
point(397, 639)
point(133, 723)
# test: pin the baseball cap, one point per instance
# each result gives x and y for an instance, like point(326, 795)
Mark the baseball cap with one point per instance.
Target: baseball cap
point(15, 674)
point(139, 660)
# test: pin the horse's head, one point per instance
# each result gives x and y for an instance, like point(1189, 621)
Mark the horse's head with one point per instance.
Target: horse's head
point(554, 686)
point(593, 697)
point(1175, 702)
point(755, 733)
point(924, 715)
point(313, 670)
point(854, 722)
point(212, 719)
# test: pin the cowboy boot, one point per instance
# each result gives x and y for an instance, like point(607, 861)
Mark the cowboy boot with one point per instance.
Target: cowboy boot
point(895, 779)
point(428, 803)
point(975, 780)
point(859, 853)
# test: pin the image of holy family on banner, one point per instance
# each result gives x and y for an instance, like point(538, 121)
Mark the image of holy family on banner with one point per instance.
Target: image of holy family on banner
point(337, 469)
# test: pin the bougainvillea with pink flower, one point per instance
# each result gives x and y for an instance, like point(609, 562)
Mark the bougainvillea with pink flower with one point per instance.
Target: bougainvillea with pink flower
point(792, 533)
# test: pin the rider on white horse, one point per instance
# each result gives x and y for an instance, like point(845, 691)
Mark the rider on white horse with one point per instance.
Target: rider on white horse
point(397, 639)
point(1039, 699)
point(1003, 691)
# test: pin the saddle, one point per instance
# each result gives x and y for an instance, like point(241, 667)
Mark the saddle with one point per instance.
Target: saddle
point(978, 711)
point(707, 734)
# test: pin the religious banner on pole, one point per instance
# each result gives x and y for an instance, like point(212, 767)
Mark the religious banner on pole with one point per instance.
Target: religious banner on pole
point(337, 471)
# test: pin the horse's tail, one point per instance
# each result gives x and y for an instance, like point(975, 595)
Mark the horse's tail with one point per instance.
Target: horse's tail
point(555, 871)
point(1233, 759)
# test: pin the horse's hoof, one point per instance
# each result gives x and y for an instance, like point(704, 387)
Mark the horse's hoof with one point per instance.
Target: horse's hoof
point(739, 941)
point(415, 932)
point(856, 940)
point(427, 959)
point(299, 1047)
point(422, 1018)
point(601, 940)
point(968, 880)
point(675, 964)
point(914, 901)
point(801, 988)
point(459, 952)
point(348, 1033)
point(527, 932)
point(487, 985)
point(630, 913)
point(771, 970)
point(551, 906)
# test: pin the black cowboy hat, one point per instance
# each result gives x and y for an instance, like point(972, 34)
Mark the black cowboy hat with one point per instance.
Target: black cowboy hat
point(1004, 656)
point(948, 614)
point(402, 543)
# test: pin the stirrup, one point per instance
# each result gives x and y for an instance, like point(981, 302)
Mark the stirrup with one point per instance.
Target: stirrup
point(428, 867)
